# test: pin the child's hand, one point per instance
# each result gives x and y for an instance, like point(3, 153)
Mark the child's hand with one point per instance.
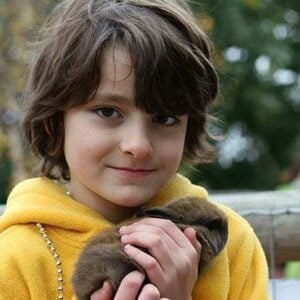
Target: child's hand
point(172, 262)
point(129, 289)
point(104, 293)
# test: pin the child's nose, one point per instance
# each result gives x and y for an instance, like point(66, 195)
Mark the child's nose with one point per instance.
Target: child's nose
point(137, 143)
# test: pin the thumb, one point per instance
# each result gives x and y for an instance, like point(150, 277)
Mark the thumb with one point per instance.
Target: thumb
point(104, 293)
point(190, 233)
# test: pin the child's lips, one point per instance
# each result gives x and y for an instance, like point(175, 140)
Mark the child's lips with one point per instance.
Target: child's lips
point(132, 172)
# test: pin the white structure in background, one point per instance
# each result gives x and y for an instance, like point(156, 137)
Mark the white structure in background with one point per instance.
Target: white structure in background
point(285, 289)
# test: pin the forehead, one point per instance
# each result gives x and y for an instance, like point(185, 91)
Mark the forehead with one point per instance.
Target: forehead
point(116, 72)
point(116, 64)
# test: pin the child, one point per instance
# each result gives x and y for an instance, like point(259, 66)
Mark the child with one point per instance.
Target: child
point(118, 97)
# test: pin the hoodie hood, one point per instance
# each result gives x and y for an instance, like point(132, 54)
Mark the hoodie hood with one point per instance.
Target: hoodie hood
point(41, 200)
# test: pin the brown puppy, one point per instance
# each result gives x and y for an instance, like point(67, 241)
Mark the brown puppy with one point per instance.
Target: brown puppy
point(104, 259)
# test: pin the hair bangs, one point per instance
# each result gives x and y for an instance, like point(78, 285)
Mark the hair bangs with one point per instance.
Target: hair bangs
point(171, 75)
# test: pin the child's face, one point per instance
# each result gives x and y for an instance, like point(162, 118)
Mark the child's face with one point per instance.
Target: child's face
point(118, 155)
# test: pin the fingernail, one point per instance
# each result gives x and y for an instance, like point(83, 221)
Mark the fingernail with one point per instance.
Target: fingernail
point(123, 229)
point(193, 230)
point(124, 238)
point(127, 247)
point(105, 285)
point(104, 288)
point(139, 274)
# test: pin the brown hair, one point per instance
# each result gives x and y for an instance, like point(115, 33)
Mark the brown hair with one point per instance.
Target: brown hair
point(170, 57)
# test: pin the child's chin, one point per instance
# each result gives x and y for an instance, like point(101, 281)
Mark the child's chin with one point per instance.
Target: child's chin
point(132, 200)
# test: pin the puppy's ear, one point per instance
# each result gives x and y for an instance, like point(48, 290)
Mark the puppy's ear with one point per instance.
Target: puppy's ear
point(216, 223)
point(161, 212)
point(215, 235)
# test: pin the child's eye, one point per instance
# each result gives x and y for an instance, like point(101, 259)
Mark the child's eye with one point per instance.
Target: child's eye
point(166, 120)
point(108, 112)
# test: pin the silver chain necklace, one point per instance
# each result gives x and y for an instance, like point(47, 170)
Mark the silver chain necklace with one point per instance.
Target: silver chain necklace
point(51, 247)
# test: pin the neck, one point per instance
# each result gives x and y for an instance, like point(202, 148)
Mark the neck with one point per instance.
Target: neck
point(116, 214)
point(110, 211)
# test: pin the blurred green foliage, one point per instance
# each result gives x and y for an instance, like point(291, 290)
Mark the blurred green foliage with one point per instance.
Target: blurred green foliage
point(256, 50)
point(257, 47)
point(19, 24)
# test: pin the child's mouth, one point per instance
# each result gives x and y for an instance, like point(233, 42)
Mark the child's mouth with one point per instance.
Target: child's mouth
point(132, 172)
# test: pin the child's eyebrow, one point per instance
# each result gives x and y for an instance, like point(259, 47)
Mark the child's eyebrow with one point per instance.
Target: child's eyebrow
point(110, 97)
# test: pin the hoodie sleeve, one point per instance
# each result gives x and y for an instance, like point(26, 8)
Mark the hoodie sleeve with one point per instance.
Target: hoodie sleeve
point(12, 281)
point(25, 273)
point(247, 263)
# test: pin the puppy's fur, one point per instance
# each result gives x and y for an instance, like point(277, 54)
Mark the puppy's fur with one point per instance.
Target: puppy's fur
point(104, 259)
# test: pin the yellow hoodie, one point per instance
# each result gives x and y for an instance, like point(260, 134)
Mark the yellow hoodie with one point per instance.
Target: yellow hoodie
point(28, 270)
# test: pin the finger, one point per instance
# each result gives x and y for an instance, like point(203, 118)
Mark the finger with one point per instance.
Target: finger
point(130, 286)
point(165, 255)
point(105, 293)
point(166, 225)
point(190, 233)
point(149, 292)
point(144, 230)
point(159, 246)
point(154, 271)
